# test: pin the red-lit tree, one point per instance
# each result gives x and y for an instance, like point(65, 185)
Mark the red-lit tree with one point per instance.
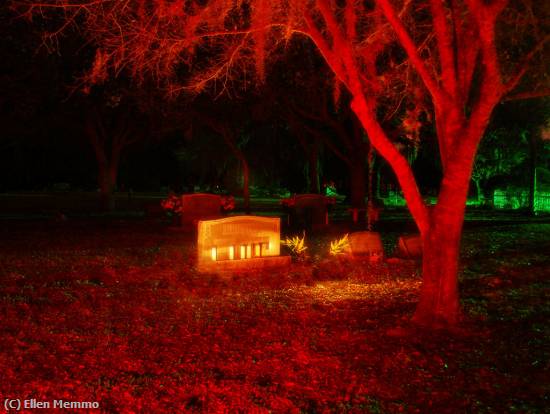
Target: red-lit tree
point(302, 88)
point(311, 146)
point(229, 119)
point(349, 144)
point(460, 52)
point(110, 125)
point(224, 123)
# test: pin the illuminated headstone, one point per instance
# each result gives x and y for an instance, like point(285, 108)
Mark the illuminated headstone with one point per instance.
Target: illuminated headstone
point(239, 243)
point(409, 247)
point(199, 206)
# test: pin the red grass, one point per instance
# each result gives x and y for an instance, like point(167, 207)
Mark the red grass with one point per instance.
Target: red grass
point(118, 315)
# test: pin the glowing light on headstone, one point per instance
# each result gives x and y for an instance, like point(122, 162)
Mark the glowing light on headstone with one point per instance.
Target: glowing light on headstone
point(239, 242)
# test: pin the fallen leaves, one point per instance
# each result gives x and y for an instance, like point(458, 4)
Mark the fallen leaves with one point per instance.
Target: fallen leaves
point(121, 317)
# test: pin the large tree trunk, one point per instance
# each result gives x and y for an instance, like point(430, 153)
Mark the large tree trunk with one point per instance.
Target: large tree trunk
point(357, 183)
point(439, 302)
point(440, 226)
point(107, 182)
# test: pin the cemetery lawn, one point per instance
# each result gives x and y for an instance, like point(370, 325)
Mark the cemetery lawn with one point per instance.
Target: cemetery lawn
point(114, 312)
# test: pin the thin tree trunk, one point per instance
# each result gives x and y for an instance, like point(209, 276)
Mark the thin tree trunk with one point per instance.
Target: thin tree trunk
point(532, 170)
point(313, 164)
point(370, 205)
point(113, 172)
point(229, 138)
point(378, 180)
point(479, 194)
point(357, 183)
point(246, 184)
point(370, 169)
point(106, 187)
point(311, 150)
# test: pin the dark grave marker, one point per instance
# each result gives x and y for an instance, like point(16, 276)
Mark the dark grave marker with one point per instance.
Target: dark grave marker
point(200, 206)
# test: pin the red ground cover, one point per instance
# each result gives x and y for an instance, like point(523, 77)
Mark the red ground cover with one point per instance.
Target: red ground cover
point(116, 313)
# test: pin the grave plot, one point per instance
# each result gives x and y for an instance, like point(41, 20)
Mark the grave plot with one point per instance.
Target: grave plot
point(239, 243)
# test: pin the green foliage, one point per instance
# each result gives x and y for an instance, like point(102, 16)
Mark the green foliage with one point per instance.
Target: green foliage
point(501, 153)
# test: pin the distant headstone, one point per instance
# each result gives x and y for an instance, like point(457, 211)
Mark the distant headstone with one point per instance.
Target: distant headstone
point(310, 211)
point(239, 243)
point(366, 244)
point(409, 247)
point(199, 206)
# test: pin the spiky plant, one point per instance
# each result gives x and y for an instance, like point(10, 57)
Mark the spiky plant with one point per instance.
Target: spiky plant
point(296, 245)
point(339, 246)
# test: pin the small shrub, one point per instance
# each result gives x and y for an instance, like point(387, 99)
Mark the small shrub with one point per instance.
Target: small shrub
point(296, 245)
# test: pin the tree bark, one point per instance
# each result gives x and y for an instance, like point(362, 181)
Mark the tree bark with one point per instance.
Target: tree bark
point(439, 305)
point(229, 138)
point(107, 181)
point(357, 183)
point(108, 147)
point(313, 169)
point(479, 193)
point(311, 149)
point(370, 205)
point(439, 302)
point(378, 180)
point(246, 183)
point(532, 139)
